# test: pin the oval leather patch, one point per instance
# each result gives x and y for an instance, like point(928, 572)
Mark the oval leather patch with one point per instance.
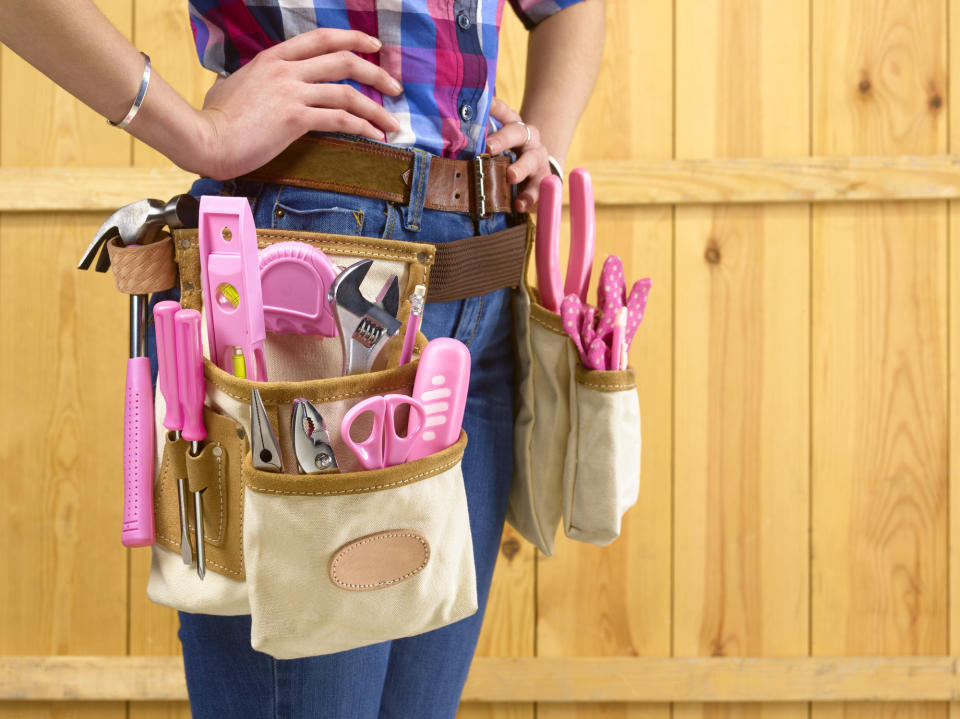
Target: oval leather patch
point(379, 560)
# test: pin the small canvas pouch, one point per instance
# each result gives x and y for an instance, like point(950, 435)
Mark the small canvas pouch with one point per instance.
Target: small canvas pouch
point(546, 359)
point(601, 474)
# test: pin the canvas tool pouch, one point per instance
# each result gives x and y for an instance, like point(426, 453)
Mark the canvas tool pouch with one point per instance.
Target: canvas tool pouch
point(576, 436)
point(327, 562)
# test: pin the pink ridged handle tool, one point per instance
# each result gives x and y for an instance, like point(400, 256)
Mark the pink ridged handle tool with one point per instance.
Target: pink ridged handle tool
point(230, 278)
point(583, 234)
point(192, 388)
point(443, 378)
point(138, 526)
point(547, 244)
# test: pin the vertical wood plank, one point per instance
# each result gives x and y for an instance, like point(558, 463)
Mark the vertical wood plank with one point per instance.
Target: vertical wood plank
point(741, 367)
point(64, 350)
point(953, 389)
point(879, 348)
point(615, 601)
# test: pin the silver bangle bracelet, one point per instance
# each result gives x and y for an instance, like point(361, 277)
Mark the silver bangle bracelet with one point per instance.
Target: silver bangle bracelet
point(135, 108)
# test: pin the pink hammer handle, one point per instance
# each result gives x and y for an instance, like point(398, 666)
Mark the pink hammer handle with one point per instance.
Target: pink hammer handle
point(138, 530)
point(190, 373)
point(167, 380)
point(547, 245)
point(583, 234)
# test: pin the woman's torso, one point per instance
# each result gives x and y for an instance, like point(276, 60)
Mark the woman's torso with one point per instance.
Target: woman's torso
point(443, 52)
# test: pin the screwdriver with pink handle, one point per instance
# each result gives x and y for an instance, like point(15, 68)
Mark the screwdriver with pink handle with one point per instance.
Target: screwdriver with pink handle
point(190, 374)
point(169, 385)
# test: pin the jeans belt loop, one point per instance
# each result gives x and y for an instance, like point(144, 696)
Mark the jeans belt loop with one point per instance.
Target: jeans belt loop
point(413, 212)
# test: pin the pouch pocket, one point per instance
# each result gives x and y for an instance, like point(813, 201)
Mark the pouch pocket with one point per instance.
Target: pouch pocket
point(215, 470)
point(340, 561)
point(545, 363)
point(601, 478)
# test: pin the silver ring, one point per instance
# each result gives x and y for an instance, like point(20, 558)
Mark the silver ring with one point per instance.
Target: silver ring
point(525, 127)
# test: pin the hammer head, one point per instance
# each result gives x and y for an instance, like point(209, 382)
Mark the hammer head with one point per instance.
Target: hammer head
point(138, 223)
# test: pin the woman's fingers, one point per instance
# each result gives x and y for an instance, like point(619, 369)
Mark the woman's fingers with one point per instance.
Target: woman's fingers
point(345, 97)
point(331, 120)
point(503, 112)
point(512, 135)
point(322, 41)
point(344, 65)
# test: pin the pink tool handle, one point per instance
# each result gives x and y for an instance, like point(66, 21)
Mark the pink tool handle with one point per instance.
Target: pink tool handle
point(190, 374)
point(396, 449)
point(443, 378)
point(138, 528)
point(167, 380)
point(370, 450)
point(547, 245)
point(583, 234)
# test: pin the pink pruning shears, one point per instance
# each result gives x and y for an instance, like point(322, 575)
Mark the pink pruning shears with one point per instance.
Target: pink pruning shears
point(582, 239)
point(384, 447)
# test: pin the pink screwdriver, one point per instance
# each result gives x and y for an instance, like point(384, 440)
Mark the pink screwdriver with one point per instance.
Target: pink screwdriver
point(190, 374)
point(169, 385)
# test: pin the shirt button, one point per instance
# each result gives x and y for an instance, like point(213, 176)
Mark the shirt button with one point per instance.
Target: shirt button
point(463, 20)
point(466, 112)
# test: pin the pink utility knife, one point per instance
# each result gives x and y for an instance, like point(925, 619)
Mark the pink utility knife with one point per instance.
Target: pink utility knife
point(230, 276)
point(443, 378)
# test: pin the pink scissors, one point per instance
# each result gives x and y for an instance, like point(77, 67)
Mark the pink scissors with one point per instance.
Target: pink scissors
point(384, 447)
point(582, 239)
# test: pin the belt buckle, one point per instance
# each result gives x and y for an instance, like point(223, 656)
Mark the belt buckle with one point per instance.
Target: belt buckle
point(478, 179)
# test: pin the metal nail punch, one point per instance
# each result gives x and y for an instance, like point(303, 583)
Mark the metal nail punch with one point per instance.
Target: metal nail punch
point(364, 326)
point(311, 442)
point(263, 442)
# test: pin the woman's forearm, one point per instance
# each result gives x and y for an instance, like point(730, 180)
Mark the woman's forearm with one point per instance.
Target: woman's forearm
point(563, 60)
point(78, 48)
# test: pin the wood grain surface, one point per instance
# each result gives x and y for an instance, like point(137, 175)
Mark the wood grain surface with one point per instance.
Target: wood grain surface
point(879, 347)
point(796, 366)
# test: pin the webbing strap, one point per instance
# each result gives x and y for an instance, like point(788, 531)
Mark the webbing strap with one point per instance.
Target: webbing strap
point(477, 265)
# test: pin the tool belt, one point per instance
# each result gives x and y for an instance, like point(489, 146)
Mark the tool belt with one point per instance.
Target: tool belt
point(329, 562)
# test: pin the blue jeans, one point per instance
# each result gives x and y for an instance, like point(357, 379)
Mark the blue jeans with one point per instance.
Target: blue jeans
point(420, 676)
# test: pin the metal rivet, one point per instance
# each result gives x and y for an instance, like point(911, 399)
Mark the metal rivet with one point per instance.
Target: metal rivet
point(217, 451)
point(278, 212)
point(184, 244)
point(323, 460)
point(188, 285)
point(421, 257)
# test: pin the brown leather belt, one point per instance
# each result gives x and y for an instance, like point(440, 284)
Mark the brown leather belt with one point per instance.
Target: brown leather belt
point(356, 167)
point(462, 268)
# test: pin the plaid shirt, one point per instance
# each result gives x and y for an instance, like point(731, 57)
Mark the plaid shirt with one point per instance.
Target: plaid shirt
point(444, 52)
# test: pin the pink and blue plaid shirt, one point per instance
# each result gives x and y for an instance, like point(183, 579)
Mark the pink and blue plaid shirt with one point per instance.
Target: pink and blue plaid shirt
point(444, 52)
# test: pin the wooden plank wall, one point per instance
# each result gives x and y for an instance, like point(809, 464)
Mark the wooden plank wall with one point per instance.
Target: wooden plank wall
point(796, 365)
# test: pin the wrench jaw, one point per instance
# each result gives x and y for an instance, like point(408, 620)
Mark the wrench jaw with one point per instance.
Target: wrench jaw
point(364, 327)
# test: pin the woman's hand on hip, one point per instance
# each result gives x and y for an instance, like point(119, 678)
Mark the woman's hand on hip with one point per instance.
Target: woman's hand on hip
point(288, 90)
point(532, 163)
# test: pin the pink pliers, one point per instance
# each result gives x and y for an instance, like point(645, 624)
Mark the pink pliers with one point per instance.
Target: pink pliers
point(582, 239)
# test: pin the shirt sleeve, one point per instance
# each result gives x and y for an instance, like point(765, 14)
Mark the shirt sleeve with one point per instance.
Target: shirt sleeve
point(533, 12)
